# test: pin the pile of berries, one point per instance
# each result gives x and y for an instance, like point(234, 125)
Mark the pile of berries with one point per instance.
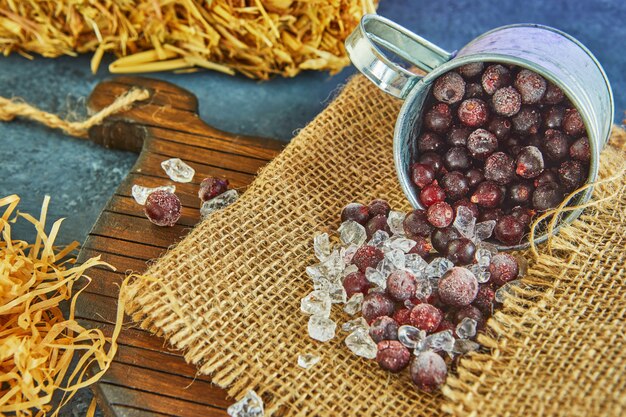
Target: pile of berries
point(501, 141)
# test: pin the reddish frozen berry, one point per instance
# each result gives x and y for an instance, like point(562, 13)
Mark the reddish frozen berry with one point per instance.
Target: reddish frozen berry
point(500, 126)
point(521, 193)
point(503, 268)
point(495, 77)
point(529, 162)
point(401, 285)
point(466, 203)
point(356, 283)
point(376, 223)
point(378, 206)
point(440, 214)
point(355, 212)
point(162, 208)
point(554, 94)
point(546, 176)
point(506, 101)
point(456, 159)
point(422, 175)
point(445, 325)
point(471, 70)
point(547, 196)
point(490, 214)
point(485, 299)
point(470, 312)
point(481, 143)
point(457, 136)
point(458, 287)
point(474, 90)
point(376, 304)
point(392, 356)
point(523, 215)
point(402, 316)
point(461, 251)
point(438, 118)
point(432, 159)
point(531, 86)
point(211, 187)
point(428, 371)
point(449, 88)
point(416, 224)
point(432, 194)
point(572, 123)
point(571, 174)
point(455, 184)
point(429, 142)
point(367, 256)
point(488, 194)
point(509, 230)
point(556, 145)
point(580, 150)
point(425, 317)
point(473, 112)
point(527, 121)
point(422, 246)
point(384, 328)
point(500, 168)
point(474, 177)
point(553, 117)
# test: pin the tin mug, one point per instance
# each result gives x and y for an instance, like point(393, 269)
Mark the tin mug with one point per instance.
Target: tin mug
point(556, 56)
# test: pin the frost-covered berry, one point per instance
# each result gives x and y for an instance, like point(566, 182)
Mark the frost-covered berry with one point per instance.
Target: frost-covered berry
point(440, 214)
point(402, 316)
point(529, 162)
point(461, 251)
point(376, 223)
point(503, 268)
point(531, 86)
point(484, 299)
point(379, 207)
point(211, 187)
point(422, 246)
point(416, 224)
point(367, 256)
point(162, 208)
point(473, 112)
point(425, 317)
point(384, 328)
point(401, 285)
point(458, 287)
point(509, 230)
point(392, 356)
point(495, 76)
point(573, 123)
point(355, 212)
point(500, 168)
point(428, 371)
point(375, 305)
point(355, 283)
point(506, 101)
point(449, 88)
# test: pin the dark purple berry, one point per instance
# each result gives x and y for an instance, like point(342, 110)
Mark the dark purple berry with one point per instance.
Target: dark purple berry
point(428, 371)
point(500, 168)
point(449, 88)
point(392, 356)
point(521, 193)
point(556, 145)
point(438, 119)
point(500, 127)
point(401, 285)
point(376, 223)
point(481, 143)
point(527, 121)
point(473, 112)
point(474, 177)
point(445, 325)
point(503, 268)
point(485, 299)
point(506, 101)
point(509, 230)
point(355, 212)
point(367, 256)
point(553, 117)
point(554, 94)
point(495, 77)
point(531, 86)
point(455, 184)
point(457, 287)
point(211, 187)
point(432, 159)
point(571, 174)
point(422, 246)
point(523, 214)
point(441, 237)
point(425, 317)
point(470, 312)
point(490, 214)
point(580, 150)
point(440, 214)
point(429, 142)
point(466, 203)
point(546, 176)
point(432, 194)
point(416, 225)
point(378, 206)
point(474, 90)
point(457, 159)
point(547, 196)
point(384, 328)
point(375, 305)
point(488, 194)
point(529, 162)
point(422, 175)
point(162, 208)
point(471, 70)
point(458, 136)
point(572, 123)
point(355, 283)
point(461, 251)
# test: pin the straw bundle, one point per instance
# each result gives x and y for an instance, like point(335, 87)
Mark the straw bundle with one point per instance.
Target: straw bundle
point(258, 38)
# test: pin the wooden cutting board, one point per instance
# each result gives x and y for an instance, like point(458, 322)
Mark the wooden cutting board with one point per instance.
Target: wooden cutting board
point(147, 377)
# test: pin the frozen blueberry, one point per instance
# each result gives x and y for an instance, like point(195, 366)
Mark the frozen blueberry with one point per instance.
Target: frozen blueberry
point(383, 328)
point(471, 70)
point(523, 214)
point(449, 88)
point(474, 177)
point(571, 174)
point(573, 123)
point(162, 208)
point(422, 175)
point(503, 268)
point(440, 214)
point(529, 162)
point(457, 159)
point(458, 287)
point(428, 371)
point(531, 86)
point(455, 184)
point(474, 90)
point(527, 121)
point(441, 237)
point(416, 224)
point(500, 126)
point(461, 251)
point(432, 194)
point(473, 112)
point(401, 285)
point(466, 203)
point(211, 187)
point(481, 143)
point(422, 246)
point(500, 168)
point(438, 118)
point(355, 212)
point(429, 142)
point(485, 299)
point(506, 101)
point(375, 305)
point(376, 223)
point(425, 317)
point(432, 159)
point(553, 117)
point(580, 150)
point(488, 194)
point(509, 230)
point(379, 206)
point(355, 283)
point(556, 145)
point(547, 196)
point(392, 356)
point(520, 193)
point(458, 136)
point(495, 77)
point(554, 94)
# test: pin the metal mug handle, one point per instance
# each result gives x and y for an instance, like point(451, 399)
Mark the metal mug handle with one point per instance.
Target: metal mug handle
point(363, 49)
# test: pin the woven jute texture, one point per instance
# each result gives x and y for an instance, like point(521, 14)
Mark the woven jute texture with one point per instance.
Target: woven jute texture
point(229, 293)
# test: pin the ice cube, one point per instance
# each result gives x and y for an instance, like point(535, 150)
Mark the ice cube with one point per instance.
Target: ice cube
point(141, 193)
point(353, 305)
point(379, 238)
point(352, 325)
point(352, 233)
point(400, 243)
point(437, 342)
point(217, 203)
point(484, 230)
point(321, 328)
point(177, 170)
point(415, 264)
point(317, 302)
point(376, 277)
point(333, 265)
point(410, 336)
point(361, 343)
point(423, 289)
point(347, 254)
point(464, 222)
point(397, 258)
point(307, 360)
point(466, 329)
point(505, 290)
point(251, 405)
point(482, 274)
point(395, 220)
point(438, 267)
point(321, 246)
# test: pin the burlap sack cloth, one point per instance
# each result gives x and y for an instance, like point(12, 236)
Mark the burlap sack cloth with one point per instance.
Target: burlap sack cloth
point(229, 294)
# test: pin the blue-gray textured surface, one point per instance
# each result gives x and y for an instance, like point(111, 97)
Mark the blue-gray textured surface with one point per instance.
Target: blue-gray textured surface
point(80, 176)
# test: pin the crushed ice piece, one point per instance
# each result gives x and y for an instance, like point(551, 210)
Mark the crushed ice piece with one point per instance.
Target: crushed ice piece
point(251, 405)
point(333, 265)
point(314, 272)
point(141, 193)
point(437, 342)
point(337, 293)
point(352, 325)
point(439, 266)
point(464, 222)
point(317, 302)
point(505, 290)
point(352, 233)
point(349, 270)
point(321, 328)
point(177, 170)
point(307, 360)
point(484, 230)
point(217, 203)
point(410, 336)
point(463, 346)
point(361, 343)
point(395, 220)
point(400, 243)
point(397, 258)
point(353, 305)
point(466, 329)
point(376, 277)
point(386, 267)
point(423, 289)
point(488, 247)
point(483, 257)
point(347, 254)
point(415, 264)
point(482, 274)
point(378, 238)
point(321, 246)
